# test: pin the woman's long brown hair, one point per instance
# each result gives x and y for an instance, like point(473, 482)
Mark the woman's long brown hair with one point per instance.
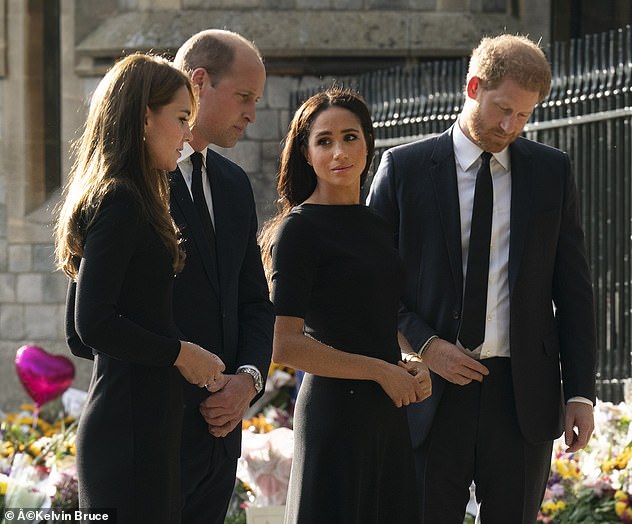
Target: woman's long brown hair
point(111, 152)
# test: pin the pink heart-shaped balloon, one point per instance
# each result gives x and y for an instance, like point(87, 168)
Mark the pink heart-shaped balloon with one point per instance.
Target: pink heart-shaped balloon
point(44, 376)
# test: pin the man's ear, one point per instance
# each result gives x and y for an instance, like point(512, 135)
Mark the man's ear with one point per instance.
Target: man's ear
point(198, 77)
point(473, 87)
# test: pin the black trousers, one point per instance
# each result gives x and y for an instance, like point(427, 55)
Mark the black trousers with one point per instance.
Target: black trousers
point(208, 480)
point(475, 436)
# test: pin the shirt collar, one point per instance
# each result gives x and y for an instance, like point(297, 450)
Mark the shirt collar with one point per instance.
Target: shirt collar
point(467, 152)
point(187, 151)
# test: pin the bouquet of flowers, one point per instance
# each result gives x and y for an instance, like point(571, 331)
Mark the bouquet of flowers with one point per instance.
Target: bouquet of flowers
point(265, 465)
point(267, 443)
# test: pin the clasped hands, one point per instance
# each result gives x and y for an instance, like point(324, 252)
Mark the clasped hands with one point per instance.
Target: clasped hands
point(420, 371)
point(406, 382)
point(232, 394)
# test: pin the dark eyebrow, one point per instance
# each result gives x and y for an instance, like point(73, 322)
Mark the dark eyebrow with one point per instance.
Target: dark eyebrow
point(327, 132)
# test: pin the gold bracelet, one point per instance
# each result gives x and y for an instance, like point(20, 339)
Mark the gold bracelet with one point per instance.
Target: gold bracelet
point(410, 357)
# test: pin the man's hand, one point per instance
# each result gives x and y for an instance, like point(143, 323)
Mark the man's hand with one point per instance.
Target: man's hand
point(452, 364)
point(578, 415)
point(224, 409)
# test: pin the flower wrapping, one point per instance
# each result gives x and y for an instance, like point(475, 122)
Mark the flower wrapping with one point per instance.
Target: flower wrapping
point(265, 463)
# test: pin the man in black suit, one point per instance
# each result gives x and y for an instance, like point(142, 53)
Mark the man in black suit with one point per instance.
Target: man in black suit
point(507, 327)
point(221, 297)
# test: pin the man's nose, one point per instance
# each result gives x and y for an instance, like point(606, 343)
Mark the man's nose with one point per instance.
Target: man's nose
point(251, 114)
point(508, 123)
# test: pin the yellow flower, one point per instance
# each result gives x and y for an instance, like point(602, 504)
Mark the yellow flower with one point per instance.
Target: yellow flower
point(258, 424)
point(566, 468)
point(34, 449)
point(274, 367)
point(551, 508)
point(4, 480)
point(7, 449)
point(620, 507)
point(619, 462)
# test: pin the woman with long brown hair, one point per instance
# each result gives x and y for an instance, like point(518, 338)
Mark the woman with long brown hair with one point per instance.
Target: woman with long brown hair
point(116, 241)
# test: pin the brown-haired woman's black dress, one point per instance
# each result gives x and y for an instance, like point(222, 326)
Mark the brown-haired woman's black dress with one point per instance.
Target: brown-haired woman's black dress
point(128, 442)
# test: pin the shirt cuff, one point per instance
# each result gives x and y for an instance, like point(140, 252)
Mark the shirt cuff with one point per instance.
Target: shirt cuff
point(426, 345)
point(583, 400)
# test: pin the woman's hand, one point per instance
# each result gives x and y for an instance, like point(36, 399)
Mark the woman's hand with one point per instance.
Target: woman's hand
point(402, 387)
point(420, 371)
point(200, 367)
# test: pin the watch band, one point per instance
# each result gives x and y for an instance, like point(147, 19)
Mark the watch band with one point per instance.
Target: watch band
point(255, 374)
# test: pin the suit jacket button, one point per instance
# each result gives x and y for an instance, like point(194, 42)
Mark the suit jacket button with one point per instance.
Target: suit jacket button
point(456, 315)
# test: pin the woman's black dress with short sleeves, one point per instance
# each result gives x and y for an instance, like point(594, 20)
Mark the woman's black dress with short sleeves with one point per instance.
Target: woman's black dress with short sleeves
point(336, 267)
point(119, 310)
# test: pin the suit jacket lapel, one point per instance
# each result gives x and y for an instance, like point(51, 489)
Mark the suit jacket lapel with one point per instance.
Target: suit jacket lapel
point(521, 199)
point(443, 174)
point(194, 232)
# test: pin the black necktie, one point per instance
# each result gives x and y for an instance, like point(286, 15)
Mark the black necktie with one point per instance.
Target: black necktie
point(472, 331)
point(199, 200)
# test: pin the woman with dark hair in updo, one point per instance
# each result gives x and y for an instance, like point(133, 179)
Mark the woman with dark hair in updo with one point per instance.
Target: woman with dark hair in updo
point(336, 280)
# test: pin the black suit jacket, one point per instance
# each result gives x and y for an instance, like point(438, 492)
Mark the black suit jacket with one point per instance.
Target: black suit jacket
point(551, 300)
point(221, 303)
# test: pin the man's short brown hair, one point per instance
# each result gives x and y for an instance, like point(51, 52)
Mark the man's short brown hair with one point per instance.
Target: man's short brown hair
point(212, 50)
point(511, 56)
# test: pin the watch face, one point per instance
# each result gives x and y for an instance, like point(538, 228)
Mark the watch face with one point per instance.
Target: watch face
point(255, 378)
point(258, 385)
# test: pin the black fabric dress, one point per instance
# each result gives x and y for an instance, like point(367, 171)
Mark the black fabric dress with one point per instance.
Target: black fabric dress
point(335, 266)
point(128, 441)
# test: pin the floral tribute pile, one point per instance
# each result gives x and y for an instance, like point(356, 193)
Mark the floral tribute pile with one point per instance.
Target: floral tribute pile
point(37, 459)
point(593, 485)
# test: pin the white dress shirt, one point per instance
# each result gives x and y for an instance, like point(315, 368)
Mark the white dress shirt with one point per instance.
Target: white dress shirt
point(186, 168)
point(467, 155)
